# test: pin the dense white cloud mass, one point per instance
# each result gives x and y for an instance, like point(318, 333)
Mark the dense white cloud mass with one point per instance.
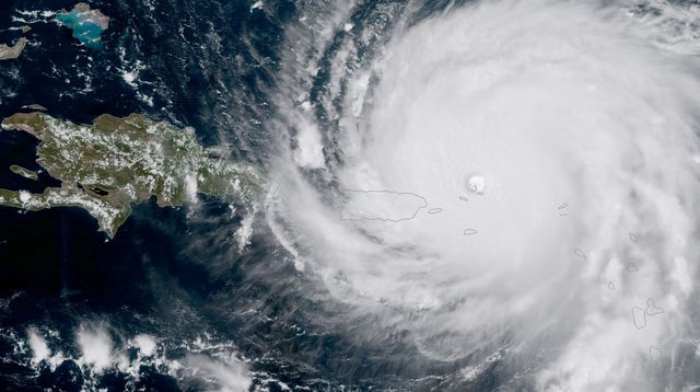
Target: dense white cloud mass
point(40, 350)
point(555, 145)
point(146, 344)
point(96, 346)
point(231, 375)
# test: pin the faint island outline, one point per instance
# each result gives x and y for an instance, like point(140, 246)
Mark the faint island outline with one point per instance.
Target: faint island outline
point(343, 213)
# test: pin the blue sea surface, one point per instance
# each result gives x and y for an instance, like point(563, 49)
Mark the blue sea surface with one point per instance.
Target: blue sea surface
point(85, 31)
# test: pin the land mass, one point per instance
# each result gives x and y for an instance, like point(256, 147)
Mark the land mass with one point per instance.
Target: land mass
point(385, 206)
point(24, 172)
point(11, 52)
point(114, 163)
point(87, 24)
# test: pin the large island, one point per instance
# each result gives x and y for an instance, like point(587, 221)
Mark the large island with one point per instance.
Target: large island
point(110, 165)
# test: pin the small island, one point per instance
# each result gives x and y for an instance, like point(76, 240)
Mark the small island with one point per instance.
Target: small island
point(11, 52)
point(114, 163)
point(87, 24)
point(24, 172)
point(35, 107)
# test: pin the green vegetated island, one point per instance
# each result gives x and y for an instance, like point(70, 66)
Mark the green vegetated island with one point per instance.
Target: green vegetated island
point(114, 163)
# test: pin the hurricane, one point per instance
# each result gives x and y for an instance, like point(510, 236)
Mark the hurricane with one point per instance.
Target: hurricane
point(502, 186)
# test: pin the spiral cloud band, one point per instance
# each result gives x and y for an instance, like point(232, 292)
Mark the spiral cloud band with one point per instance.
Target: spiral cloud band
point(516, 178)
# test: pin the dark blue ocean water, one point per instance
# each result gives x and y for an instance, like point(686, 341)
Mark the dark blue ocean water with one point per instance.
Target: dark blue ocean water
point(56, 268)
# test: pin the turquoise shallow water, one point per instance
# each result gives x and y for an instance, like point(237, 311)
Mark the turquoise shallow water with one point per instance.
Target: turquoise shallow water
point(86, 31)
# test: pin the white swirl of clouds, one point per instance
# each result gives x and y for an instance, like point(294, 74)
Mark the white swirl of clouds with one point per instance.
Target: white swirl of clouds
point(555, 144)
